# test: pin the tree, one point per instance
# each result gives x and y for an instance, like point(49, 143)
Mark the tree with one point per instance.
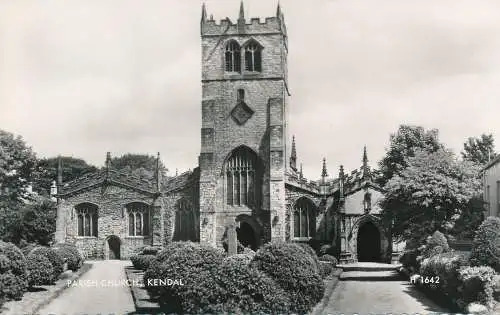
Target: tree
point(46, 172)
point(403, 144)
point(17, 163)
point(141, 165)
point(479, 149)
point(431, 193)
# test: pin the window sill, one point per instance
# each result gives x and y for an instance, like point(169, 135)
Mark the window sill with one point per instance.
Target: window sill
point(140, 236)
point(86, 237)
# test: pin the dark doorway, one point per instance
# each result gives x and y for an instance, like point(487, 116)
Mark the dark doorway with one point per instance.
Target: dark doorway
point(368, 242)
point(246, 235)
point(114, 247)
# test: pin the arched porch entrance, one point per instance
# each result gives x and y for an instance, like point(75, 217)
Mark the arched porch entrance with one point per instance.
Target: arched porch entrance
point(113, 246)
point(246, 235)
point(369, 242)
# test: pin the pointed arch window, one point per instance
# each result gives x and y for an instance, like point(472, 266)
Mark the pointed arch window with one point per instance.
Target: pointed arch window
point(185, 220)
point(304, 219)
point(87, 219)
point(233, 57)
point(138, 219)
point(243, 178)
point(253, 57)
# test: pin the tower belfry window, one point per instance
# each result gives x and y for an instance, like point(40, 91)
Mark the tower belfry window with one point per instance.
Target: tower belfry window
point(242, 179)
point(233, 57)
point(253, 60)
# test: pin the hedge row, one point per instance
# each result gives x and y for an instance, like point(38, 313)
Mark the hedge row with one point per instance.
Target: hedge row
point(278, 278)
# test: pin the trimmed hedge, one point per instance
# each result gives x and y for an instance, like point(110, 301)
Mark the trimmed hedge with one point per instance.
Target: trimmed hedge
point(312, 253)
point(477, 284)
point(39, 269)
point(241, 289)
point(325, 268)
point(70, 255)
point(243, 259)
point(295, 272)
point(54, 257)
point(150, 250)
point(13, 272)
point(142, 262)
point(486, 244)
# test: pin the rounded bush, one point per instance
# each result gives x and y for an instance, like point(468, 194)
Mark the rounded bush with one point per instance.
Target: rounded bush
point(294, 271)
point(242, 289)
point(40, 270)
point(54, 257)
point(435, 244)
point(477, 284)
point(150, 250)
point(142, 262)
point(243, 259)
point(312, 253)
point(325, 268)
point(192, 263)
point(486, 245)
point(12, 272)
point(329, 258)
point(70, 255)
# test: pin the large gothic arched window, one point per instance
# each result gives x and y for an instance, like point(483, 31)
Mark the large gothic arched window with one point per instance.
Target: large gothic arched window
point(138, 219)
point(243, 178)
point(304, 218)
point(87, 219)
point(185, 221)
point(233, 57)
point(253, 58)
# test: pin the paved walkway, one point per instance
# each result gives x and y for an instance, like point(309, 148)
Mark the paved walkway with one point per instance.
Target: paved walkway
point(385, 295)
point(100, 291)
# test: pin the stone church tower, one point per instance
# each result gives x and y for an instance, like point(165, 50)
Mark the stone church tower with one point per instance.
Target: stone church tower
point(243, 133)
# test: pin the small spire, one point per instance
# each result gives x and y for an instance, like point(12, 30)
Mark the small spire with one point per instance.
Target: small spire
point(203, 12)
point(59, 171)
point(341, 182)
point(278, 10)
point(176, 172)
point(324, 173)
point(158, 173)
point(293, 156)
point(365, 157)
point(242, 12)
point(108, 160)
point(301, 174)
point(365, 168)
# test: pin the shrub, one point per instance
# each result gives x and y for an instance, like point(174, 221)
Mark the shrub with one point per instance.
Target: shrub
point(243, 259)
point(150, 250)
point(12, 272)
point(242, 289)
point(409, 260)
point(309, 250)
point(54, 257)
point(142, 262)
point(290, 266)
point(330, 259)
point(71, 255)
point(195, 265)
point(40, 270)
point(486, 244)
point(435, 244)
point(325, 268)
point(477, 284)
point(327, 250)
point(28, 248)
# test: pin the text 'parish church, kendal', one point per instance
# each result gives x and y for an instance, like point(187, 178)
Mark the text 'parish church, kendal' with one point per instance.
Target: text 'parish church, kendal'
point(247, 182)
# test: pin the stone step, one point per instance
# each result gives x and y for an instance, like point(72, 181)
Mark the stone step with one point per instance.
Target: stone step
point(372, 276)
point(369, 267)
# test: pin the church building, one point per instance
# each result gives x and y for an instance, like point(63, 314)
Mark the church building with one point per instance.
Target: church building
point(247, 179)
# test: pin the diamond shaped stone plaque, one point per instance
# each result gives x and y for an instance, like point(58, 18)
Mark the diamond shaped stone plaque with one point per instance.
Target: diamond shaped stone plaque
point(241, 113)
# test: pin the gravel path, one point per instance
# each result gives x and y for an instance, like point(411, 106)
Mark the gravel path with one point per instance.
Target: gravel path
point(101, 290)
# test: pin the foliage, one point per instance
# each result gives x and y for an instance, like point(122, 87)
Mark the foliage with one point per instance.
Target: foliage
point(477, 284)
point(17, 163)
point(141, 262)
point(46, 172)
point(409, 260)
point(243, 259)
point(38, 222)
point(479, 149)
point(429, 194)
point(325, 268)
point(435, 244)
point(242, 289)
point(327, 250)
point(196, 266)
point(150, 250)
point(54, 257)
point(403, 144)
point(13, 272)
point(469, 221)
point(141, 165)
point(70, 255)
point(312, 253)
point(294, 270)
point(329, 258)
point(486, 244)
point(40, 270)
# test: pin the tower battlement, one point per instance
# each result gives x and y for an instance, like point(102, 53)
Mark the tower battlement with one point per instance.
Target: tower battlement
point(254, 26)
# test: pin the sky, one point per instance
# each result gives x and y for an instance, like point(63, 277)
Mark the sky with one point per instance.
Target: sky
point(81, 78)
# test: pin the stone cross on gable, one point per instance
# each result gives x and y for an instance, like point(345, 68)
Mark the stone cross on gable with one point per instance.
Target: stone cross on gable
point(232, 238)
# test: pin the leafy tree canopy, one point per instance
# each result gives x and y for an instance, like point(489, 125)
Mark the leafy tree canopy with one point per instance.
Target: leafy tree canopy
point(479, 149)
point(141, 165)
point(46, 172)
point(403, 144)
point(430, 194)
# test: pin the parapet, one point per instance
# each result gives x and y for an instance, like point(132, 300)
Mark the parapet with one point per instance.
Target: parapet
point(255, 26)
